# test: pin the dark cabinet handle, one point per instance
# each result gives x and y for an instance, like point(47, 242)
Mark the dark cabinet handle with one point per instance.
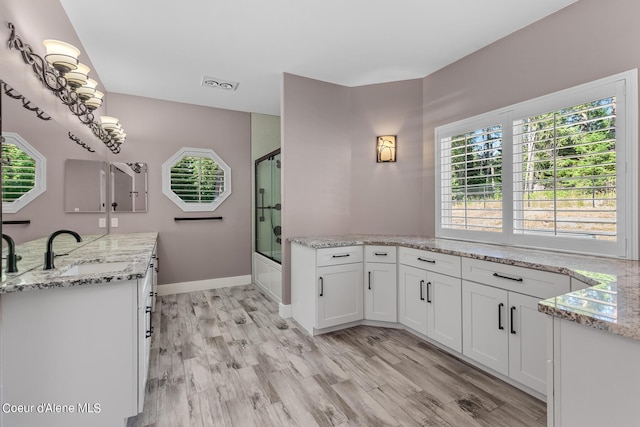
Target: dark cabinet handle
point(515, 279)
point(421, 285)
point(430, 261)
point(157, 265)
point(380, 253)
point(428, 293)
point(500, 316)
point(369, 280)
point(513, 331)
point(340, 256)
point(321, 287)
point(149, 331)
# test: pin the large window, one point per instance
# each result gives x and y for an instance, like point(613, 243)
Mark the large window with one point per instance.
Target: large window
point(556, 172)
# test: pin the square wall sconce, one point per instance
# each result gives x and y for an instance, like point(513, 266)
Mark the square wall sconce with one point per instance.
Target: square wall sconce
point(386, 149)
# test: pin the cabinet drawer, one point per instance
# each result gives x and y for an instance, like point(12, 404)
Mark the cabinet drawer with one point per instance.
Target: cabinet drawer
point(384, 254)
point(431, 261)
point(539, 284)
point(337, 256)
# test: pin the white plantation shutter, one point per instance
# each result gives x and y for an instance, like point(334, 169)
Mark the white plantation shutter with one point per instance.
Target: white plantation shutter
point(565, 172)
point(556, 172)
point(471, 180)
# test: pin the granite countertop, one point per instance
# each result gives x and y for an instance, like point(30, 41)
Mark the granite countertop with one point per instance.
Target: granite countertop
point(611, 304)
point(134, 248)
point(32, 252)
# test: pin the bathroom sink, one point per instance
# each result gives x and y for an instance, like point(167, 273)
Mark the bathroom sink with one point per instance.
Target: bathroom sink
point(97, 267)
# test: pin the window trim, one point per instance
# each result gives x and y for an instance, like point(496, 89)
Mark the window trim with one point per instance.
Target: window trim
point(195, 152)
point(40, 184)
point(626, 245)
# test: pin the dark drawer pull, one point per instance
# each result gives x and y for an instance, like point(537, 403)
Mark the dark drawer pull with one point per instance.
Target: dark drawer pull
point(369, 280)
point(513, 331)
point(421, 285)
point(341, 256)
point(515, 279)
point(430, 261)
point(428, 293)
point(321, 287)
point(500, 316)
point(380, 253)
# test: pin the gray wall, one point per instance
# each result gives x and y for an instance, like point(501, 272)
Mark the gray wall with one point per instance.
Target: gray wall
point(156, 130)
point(331, 181)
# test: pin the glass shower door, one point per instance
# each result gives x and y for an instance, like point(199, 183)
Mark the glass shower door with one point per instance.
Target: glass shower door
point(268, 207)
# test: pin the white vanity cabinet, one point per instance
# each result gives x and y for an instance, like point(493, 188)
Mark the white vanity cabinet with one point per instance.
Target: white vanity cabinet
point(380, 277)
point(326, 286)
point(146, 295)
point(429, 295)
point(83, 347)
point(503, 329)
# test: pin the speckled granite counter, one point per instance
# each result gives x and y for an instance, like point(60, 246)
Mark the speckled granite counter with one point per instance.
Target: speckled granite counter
point(134, 248)
point(612, 304)
point(32, 252)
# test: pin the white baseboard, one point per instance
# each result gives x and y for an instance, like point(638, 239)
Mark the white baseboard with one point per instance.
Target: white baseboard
point(284, 310)
point(203, 285)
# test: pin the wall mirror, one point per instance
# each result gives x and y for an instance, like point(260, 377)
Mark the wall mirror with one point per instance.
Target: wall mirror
point(128, 183)
point(24, 172)
point(85, 186)
point(196, 179)
point(24, 121)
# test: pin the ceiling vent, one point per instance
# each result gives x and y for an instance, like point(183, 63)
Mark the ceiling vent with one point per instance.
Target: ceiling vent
point(217, 83)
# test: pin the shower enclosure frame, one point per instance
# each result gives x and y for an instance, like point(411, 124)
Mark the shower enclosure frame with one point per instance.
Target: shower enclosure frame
point(267, 268)
point(260, 215)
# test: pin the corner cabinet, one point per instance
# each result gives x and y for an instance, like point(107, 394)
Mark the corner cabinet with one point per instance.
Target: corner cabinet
point(85, 348)
point(326, 286)
point(503, 329)
point(380, 283)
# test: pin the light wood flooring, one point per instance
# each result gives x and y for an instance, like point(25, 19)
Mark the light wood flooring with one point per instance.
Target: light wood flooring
point(225, 358)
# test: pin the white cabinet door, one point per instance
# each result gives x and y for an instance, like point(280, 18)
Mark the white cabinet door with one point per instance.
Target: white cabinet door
point(412, 310)
point(339, 294)
point(485, 325)
point(444, 310)
point(380, 301)
point(527, 342)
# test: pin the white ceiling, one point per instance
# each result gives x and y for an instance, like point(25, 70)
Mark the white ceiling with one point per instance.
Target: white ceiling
point(162, 48)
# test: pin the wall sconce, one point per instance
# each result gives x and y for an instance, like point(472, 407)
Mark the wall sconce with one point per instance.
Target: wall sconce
point(68, 79)
point(386, 149)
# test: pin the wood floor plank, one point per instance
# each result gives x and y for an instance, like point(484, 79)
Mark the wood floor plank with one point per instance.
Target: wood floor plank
point(392, 403)
point(224, 357)
point(322, 403)
point(252, 388)
point(368, 411)
point(197, 375)
point(325, 366)
point(241, 413)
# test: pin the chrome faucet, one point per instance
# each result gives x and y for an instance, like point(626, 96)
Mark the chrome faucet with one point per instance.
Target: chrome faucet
point(49, 255)
point(12, 259)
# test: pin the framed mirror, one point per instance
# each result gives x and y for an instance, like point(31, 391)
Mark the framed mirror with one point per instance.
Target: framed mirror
point(22, 120)
point(128, 183)
point(85, 186)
